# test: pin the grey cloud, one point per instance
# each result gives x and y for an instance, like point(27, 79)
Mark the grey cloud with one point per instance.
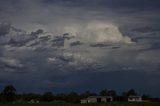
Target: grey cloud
point(147, 29)
point(34, 12)
point(147, 4)
point(58, 41)
point(68, 36)
point(136, 39)
point(12, 65)
point(115, 47)
point(66, 59)
point(15, 43)
point(9, 33)
point(76, 43)
point(80, 60)
point(17, 38)
point(45, 38)
point(39, 31)
point(34, 44)
point(99, 45)
point(4, 28)
point(154, 46)
point(108, 46)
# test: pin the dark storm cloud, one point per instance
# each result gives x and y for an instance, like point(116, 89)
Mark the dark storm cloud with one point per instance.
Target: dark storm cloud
point(108, 46)
point(126, 5)
point(145, 37)
point(154, 46)
point(16, 37)
point(147, 29)
point(67, 36)
point(125, 12)
point(76, 43)
point(110, 3)
point(116, 47)
point(39, 31)
point(122, 8)
point(85, 44)
point(58, 41)
point(99, 45)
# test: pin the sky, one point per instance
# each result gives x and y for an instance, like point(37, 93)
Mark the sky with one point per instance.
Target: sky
point(79, 45)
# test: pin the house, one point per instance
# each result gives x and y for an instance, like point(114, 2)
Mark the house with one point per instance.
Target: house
point(97, 99)
point(84, 101)
point(33, 101)
point(134, 99)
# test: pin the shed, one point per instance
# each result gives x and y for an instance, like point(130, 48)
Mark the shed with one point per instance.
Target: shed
point(134, 99)
point(97, 99)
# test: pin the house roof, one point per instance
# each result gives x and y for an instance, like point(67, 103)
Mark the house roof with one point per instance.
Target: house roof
point(134, 97)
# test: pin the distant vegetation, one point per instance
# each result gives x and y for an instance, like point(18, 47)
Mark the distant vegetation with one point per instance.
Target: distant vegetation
point(9, 95)
point(71, 104)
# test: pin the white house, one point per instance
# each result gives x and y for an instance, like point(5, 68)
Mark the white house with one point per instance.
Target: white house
point(134, 99)
point(97, 99)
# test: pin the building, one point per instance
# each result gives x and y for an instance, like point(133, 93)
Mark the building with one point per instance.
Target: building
point(84, 101)
point(33, 101)
point(134, 99)
point(97, 99)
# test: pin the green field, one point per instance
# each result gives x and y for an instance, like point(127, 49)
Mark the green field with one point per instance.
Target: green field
point(67, 104)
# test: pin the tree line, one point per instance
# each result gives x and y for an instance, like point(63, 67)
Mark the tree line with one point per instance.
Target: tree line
point(9, 94)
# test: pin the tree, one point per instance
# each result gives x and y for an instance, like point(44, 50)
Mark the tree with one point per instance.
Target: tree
point(131, 92)
point(60, 96)
point(9, 93)
point(73, 97)
point(1, 97)
point(145, 97)
point(47, 97)
point(104, 92)
point(112, 93)
point(87, 94)
point(30, 96)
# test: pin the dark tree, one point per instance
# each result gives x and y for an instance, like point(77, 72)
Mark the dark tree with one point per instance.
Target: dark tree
point(87, 94)
point(145, 97)
point(1, 97)
point(73, 97)
point(48, 97)
point(60, 96)
point(9, 93)
point(30, 96)
point(131, 92)
point(104, 92)
point(112, 93)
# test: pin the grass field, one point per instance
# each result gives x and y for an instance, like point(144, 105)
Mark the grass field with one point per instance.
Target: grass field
point(67, 104)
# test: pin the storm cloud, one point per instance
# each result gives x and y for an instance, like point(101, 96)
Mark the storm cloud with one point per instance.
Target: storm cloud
point(63, 43)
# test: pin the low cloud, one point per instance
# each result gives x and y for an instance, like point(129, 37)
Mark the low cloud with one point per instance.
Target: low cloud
point(76, 43)
point(9, 64)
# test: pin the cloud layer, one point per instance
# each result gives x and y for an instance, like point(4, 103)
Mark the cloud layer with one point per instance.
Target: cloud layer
point(99, 45)
point(48, 42)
